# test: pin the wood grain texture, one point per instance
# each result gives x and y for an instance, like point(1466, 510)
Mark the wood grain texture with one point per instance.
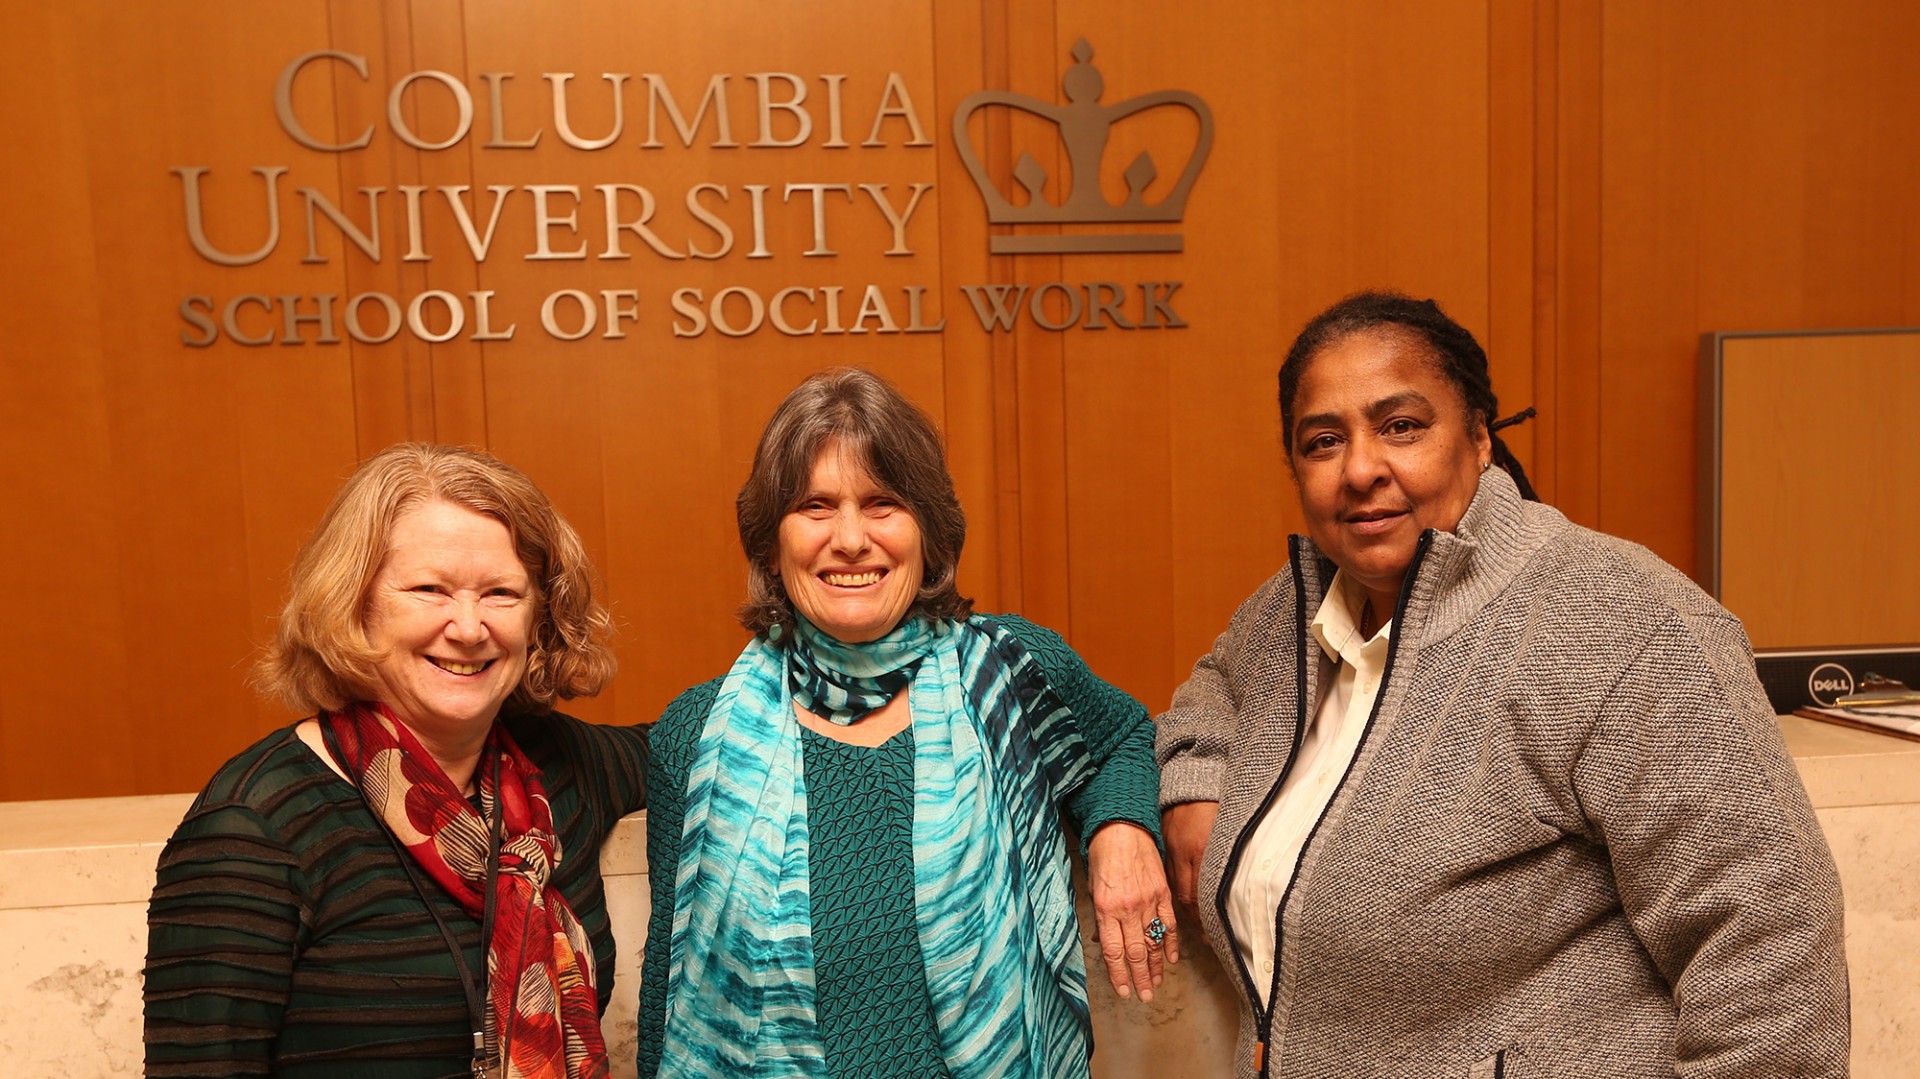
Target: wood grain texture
point(1753, 161)
point(1587, 185)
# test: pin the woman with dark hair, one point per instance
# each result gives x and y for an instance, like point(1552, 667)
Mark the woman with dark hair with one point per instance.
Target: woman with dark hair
point(407, 883)
point(1468, 790)
point(858, 863)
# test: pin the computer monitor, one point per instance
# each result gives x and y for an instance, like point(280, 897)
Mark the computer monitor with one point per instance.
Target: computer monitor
point(1810, 485)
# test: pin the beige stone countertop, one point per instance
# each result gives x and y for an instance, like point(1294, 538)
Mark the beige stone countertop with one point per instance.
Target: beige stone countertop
point(74, 852)
point(83, 851)
point(1843, 766)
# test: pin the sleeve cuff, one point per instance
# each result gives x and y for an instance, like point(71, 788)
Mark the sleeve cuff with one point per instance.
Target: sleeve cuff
point(1191, 780)
point(1151, 825)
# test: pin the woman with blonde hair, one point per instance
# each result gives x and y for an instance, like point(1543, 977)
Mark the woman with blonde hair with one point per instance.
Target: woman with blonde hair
point(405, 884)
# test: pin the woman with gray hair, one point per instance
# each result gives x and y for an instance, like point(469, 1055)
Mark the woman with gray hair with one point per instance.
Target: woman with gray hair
point(858, 863)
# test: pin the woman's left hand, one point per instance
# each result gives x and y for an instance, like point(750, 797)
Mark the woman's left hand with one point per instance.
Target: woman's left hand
point(1130, 894)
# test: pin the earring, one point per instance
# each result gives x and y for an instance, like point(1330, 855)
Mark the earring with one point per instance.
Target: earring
point(1484, 465)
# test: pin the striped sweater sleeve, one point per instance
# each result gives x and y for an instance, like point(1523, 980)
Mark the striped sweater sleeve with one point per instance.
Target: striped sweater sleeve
point(223, 931)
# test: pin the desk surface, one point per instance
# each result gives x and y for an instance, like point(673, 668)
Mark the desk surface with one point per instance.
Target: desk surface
point(1842, 766)
point(83, 851)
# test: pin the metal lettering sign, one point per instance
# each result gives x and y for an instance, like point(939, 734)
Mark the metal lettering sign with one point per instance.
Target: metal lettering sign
point(723, 220)
point(1084, 127)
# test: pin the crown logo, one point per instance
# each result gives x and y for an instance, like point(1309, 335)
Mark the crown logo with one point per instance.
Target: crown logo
point(1084, 125)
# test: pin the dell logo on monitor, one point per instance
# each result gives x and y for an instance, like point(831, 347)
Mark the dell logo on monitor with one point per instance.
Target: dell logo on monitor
point(1828, 683)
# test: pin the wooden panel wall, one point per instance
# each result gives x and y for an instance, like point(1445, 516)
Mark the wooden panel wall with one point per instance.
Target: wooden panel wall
point(1756, 173)
point(1587, 185)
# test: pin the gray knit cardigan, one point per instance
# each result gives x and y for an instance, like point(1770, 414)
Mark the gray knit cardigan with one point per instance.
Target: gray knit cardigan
point(1571, 844)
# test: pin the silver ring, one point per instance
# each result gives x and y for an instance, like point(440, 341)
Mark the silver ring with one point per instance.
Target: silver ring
point(1156, 931)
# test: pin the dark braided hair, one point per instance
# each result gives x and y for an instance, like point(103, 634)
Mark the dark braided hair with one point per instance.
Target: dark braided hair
point(1461, 360)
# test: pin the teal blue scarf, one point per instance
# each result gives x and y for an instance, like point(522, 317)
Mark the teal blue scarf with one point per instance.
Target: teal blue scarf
point(841, 682)
point(995, 751)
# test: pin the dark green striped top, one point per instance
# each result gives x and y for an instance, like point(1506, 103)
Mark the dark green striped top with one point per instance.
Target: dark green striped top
point(284, 937)
point(873, 1015)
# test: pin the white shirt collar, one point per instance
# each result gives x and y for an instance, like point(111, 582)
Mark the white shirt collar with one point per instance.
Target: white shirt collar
point(1336, 625)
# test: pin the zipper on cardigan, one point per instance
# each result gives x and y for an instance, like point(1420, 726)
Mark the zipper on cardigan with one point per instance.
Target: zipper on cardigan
point(1386, 675)
point(1246, 834)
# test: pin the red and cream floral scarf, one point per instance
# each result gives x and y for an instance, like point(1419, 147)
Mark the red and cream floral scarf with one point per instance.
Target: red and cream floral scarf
point(540, 978)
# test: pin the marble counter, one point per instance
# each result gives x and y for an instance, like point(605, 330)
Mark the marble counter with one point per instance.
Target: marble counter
point(1844, 767)
point(74, 880)
point(75, 877)
point(1866, 790)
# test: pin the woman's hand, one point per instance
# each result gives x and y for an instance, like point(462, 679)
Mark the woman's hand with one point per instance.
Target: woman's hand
point(1186, 827)
point(1130, 894)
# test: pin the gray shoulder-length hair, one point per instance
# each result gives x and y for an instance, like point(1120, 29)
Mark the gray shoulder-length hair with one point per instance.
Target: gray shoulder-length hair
point(897, 445)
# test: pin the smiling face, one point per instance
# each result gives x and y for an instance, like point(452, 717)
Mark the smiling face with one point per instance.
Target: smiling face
point(1383, 449)
point(452, 609)
point(849, 551)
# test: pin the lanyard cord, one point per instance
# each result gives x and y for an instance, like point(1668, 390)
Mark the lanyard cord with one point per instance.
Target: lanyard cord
point(474, 989)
